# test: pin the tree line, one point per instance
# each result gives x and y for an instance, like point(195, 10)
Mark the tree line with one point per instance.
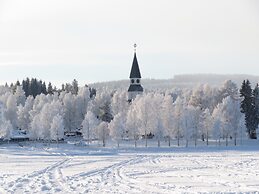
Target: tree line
point(34, 87)
point(201, 113)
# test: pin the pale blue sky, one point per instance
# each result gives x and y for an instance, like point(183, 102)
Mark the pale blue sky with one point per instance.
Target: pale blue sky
point(59, 40)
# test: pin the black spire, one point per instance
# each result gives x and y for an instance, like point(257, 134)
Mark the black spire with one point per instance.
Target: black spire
point(135, 72)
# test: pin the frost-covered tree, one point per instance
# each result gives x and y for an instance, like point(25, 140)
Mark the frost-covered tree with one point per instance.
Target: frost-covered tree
point(89, 125)
point(217, 123)
point(186, 124)
point(71, 122)
point(38, 104)
point(83, 99)
point(227, 119)
point(229, 88)
point(23, 114)
point(145, 113)
point(102, 132)
point(190, 123)
point(178, 113)
point(117, 128)
point(118, 103)
point(11, 110)
point(36, 129)
point(235, 117)
point(20, 96)
point(101, 106)
point(57, 128)
point(41, 122)
point(6, 129)
point(167, 117)
point(158, 130)
point(132, 124)
point(206, 122)
point(203, 96)
point(5, 125)
point(197, 97)
point(5, 90)
point(105, 113)
point(188, 119)
point(157, 127)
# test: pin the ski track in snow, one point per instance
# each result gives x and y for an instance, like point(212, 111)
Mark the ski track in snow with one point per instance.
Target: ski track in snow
point(107, 177)
point(141, 173)
point(49, 179)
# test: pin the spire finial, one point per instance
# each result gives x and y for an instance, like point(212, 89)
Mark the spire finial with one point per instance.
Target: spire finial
point(135, 47)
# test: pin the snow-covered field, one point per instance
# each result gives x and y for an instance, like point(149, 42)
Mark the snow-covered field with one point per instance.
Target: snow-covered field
point(64, 168)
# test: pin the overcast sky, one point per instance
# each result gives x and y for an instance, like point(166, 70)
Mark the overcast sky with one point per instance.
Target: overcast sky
point(92, 40)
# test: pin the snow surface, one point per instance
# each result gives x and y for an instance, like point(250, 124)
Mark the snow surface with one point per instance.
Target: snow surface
point(69, 168)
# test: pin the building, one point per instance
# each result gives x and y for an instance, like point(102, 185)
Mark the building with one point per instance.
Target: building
point(135, 87)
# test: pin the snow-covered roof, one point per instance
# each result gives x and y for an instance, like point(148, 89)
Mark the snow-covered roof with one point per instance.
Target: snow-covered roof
point(18, 134)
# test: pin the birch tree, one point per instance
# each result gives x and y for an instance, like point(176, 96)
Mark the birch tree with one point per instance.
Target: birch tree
point(89, 124)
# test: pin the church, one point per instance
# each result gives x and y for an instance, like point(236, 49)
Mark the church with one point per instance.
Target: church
point(135, 87)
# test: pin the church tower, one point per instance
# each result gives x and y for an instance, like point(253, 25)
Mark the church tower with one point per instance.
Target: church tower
point(135, 87)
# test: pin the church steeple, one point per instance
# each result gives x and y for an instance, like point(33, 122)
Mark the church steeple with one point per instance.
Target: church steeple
point(135, 78)
point(135, 72)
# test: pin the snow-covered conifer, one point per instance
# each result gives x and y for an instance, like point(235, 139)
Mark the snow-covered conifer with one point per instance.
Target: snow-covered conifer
point(20, 96)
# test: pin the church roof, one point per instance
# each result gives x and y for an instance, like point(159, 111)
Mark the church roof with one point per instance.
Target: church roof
point(135, 88)
point(135, 72)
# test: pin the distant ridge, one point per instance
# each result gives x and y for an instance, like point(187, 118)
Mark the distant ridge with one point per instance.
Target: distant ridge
point(214, 79)
point(180, 81)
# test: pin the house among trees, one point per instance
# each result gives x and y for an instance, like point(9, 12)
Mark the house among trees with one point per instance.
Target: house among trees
point(18, 135)
point(135, 87)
